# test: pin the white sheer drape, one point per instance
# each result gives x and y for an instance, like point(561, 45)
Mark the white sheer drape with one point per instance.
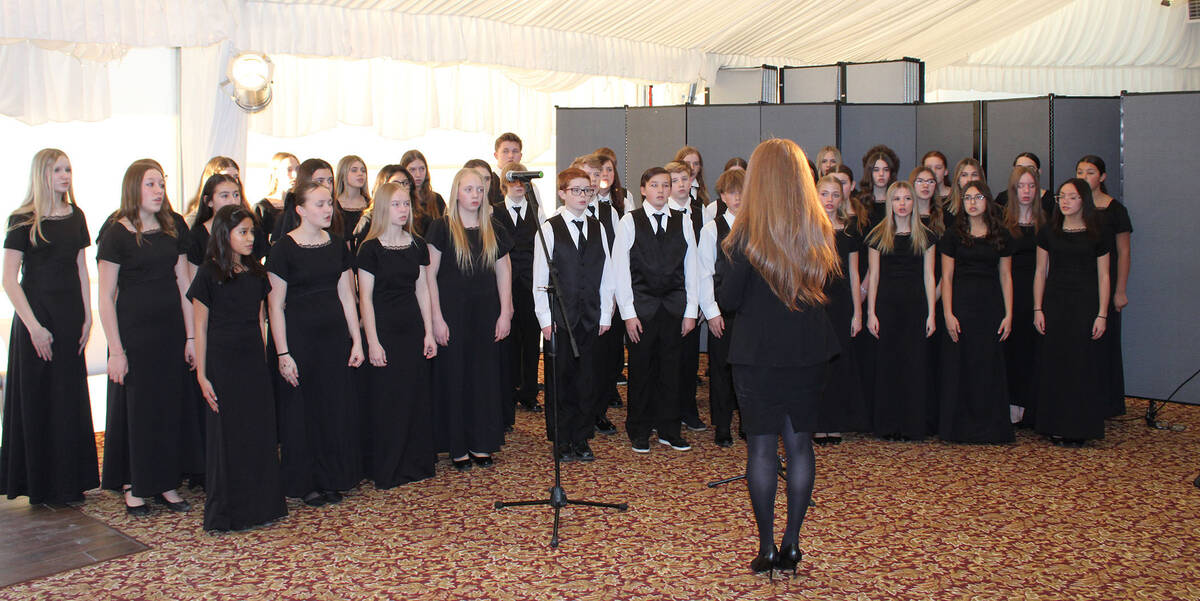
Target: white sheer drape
point(47, 85)
point(210, 123)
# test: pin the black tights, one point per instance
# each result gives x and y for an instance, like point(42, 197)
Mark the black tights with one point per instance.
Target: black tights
point(762, 467)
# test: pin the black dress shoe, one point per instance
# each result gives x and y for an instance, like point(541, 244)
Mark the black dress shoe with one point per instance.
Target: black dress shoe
point(566, 453)
point(137, 510)
point(695, 424)
point(531, 406)
point(462, 465)
point(314, 499)
point(584, 451)
point(789, 557)
point(765, 562)
point(723, 440)
point(332, 496)
point(604, 426)
point(834, 439)
point(484, 461)
point(178, 507)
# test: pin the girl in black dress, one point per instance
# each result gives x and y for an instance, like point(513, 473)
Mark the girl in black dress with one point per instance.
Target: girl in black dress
point(48, 451)
point(781, 253)
point(1030, 161)
point(936, 161)
point(219, 191)
point(900, 315)
point(242, 485)
point(147, 320)
point(977, 303)
point(967, 170)
point(1117, 229)
point(1072, 278)
point(1024, 219)
point(393, 293)
point(284, 168)
point(879, 173)
point(214, 166)
point(353, 199)
point(314, 323)
point(933, 217)
point(427, 204)
point(314, 171)
point(844, 408)
point(471, 296)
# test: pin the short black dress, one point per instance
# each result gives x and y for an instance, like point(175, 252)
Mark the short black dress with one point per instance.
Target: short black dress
point(146, 443)
point(319, 420)
point(974, 390)
point(844, 408)
point(1114, 220)
point(1019, 348)
point(242, 487)
point(467, 384)
point(400, 409)
point(49, 450)
point(902, 365)
point(1071, 381)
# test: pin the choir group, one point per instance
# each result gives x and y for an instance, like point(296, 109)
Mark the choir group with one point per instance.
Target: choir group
point(339, 331)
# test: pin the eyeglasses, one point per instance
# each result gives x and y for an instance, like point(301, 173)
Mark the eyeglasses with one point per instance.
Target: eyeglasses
point(926, 181)
point(580, 192)
point(1062, 197)
point(404, 184)
point(974, 197)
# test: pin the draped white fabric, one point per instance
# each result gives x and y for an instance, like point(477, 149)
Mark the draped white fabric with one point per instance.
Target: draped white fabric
point(47, 85)
point(211, 124)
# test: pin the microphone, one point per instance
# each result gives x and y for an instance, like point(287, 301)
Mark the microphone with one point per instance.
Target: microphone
point(522, 176)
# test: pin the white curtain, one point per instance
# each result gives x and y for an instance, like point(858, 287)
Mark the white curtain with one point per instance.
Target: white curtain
point(47, 85)
point(210, 123)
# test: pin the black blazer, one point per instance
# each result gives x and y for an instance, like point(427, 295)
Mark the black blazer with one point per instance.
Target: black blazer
point(767, 333)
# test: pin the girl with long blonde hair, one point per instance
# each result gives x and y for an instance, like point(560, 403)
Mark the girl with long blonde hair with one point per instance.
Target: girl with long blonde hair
point(781, 254)
point(352, 196)
point(284, 169)
point(470, 289)
point(48, 451)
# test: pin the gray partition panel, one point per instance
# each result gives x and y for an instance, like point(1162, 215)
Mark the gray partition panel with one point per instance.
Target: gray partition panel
point(951, 127)
point(654, 135)
point(865, 125)
point(811, 84)
point(1013, 127)
point(721, 133)
point(1161, 326)
point(580, 131)
point(1084, 126)
point(809, 125)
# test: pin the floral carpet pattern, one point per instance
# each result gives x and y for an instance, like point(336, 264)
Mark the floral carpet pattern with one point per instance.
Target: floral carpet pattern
point(1118, 519)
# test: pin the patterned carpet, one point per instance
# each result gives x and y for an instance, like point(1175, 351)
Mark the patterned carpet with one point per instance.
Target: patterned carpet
point(1119, 520)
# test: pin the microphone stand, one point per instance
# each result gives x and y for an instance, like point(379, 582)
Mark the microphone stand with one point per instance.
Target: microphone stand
point(558, 496)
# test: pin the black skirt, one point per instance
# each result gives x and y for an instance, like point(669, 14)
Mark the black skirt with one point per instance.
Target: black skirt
point(768, 394)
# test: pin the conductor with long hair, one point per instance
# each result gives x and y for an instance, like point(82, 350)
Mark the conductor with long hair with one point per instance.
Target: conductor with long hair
point(781, 252)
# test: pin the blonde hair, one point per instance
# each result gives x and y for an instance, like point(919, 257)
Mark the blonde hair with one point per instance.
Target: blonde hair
point(39, 200)
point(954, 200)
point(458, 233)
point(1012, 210)
point(131, 200)
point(937, 215)
point(782, 228)
point(273, 184)
point(883, 235)
point(214, 166)
point(830, 180)
point(504, 169)
point(380, 212)
point(837, 154)
point(701, 189)
point(343, 169)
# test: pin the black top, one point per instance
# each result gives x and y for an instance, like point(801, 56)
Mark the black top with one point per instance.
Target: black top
point(976, 259)
point(656, 265)
point(481, 281)
point(323, 264)
point(55, 255)
point(1072, 258)
point(1024, 248)
point(154, 260)
point(767, 333)
point(233, 305)
point(267, 216)
point(1113, 220)
point(522, 237)
point(900, 263)
point(395, 268)
point(199, 236)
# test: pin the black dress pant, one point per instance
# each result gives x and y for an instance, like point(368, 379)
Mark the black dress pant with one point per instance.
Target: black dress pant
point(575, 382)
point(523, 355)
point(722, 399)
point(610, 357)
point(688, 369)
point(654, 368)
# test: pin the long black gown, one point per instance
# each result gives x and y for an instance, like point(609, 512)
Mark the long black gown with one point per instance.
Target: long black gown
point(1071, 379)
point(1114, 219)
point(974, 390)
point(902, 363)
point(1019, 348)
point(144, 441)
point(844, 408)
point(242, 484)
point(400, 410)
point(467, 372)
point(319, 420)
point(864, 346)
point(48, 451)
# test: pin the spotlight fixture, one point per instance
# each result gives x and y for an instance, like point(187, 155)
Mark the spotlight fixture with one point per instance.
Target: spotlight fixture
point(1166, 3)
point(250, 76)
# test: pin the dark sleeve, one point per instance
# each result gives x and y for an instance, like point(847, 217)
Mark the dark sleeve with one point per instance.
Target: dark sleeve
point(437, 236)
point(948, 245)
point(266, 288)
point(85, 238)
point(201, 288)
point(368, 258)
point(735, 276)
point(1122, 223)
point(421, 250)
point(112, 246)
point(1006, 244)
point(856, 239)
point(261, 246)
point(18, 236)
point(277, 259)
point(504, 240)
point(347, 258)
point(441, 203)
point(195, 249)
point(183, 241)
point(1043, 238)
point(1102, 246)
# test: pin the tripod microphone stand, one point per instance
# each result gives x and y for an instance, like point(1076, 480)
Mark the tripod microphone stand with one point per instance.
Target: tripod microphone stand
point(558, 496)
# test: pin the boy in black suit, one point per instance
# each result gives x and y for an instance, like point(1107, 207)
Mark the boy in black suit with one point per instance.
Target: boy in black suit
point(521, 217)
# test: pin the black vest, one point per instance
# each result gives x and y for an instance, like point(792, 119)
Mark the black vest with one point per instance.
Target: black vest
point(656, 265)
point(697, 214)
point(579, 272)
point(521, 254)
point(604, 211)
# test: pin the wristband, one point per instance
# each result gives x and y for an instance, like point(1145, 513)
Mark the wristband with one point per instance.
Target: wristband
point(1104, 317)
point(284, 353)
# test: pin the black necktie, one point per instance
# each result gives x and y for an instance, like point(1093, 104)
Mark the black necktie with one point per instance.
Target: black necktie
point(658, 219)
point(520, 216)
point(580, 239)
point(592, 210)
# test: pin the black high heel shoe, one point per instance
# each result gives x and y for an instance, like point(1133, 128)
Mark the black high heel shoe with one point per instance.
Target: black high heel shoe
point(789, 558)
point(180, 506)
point(765, 562)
